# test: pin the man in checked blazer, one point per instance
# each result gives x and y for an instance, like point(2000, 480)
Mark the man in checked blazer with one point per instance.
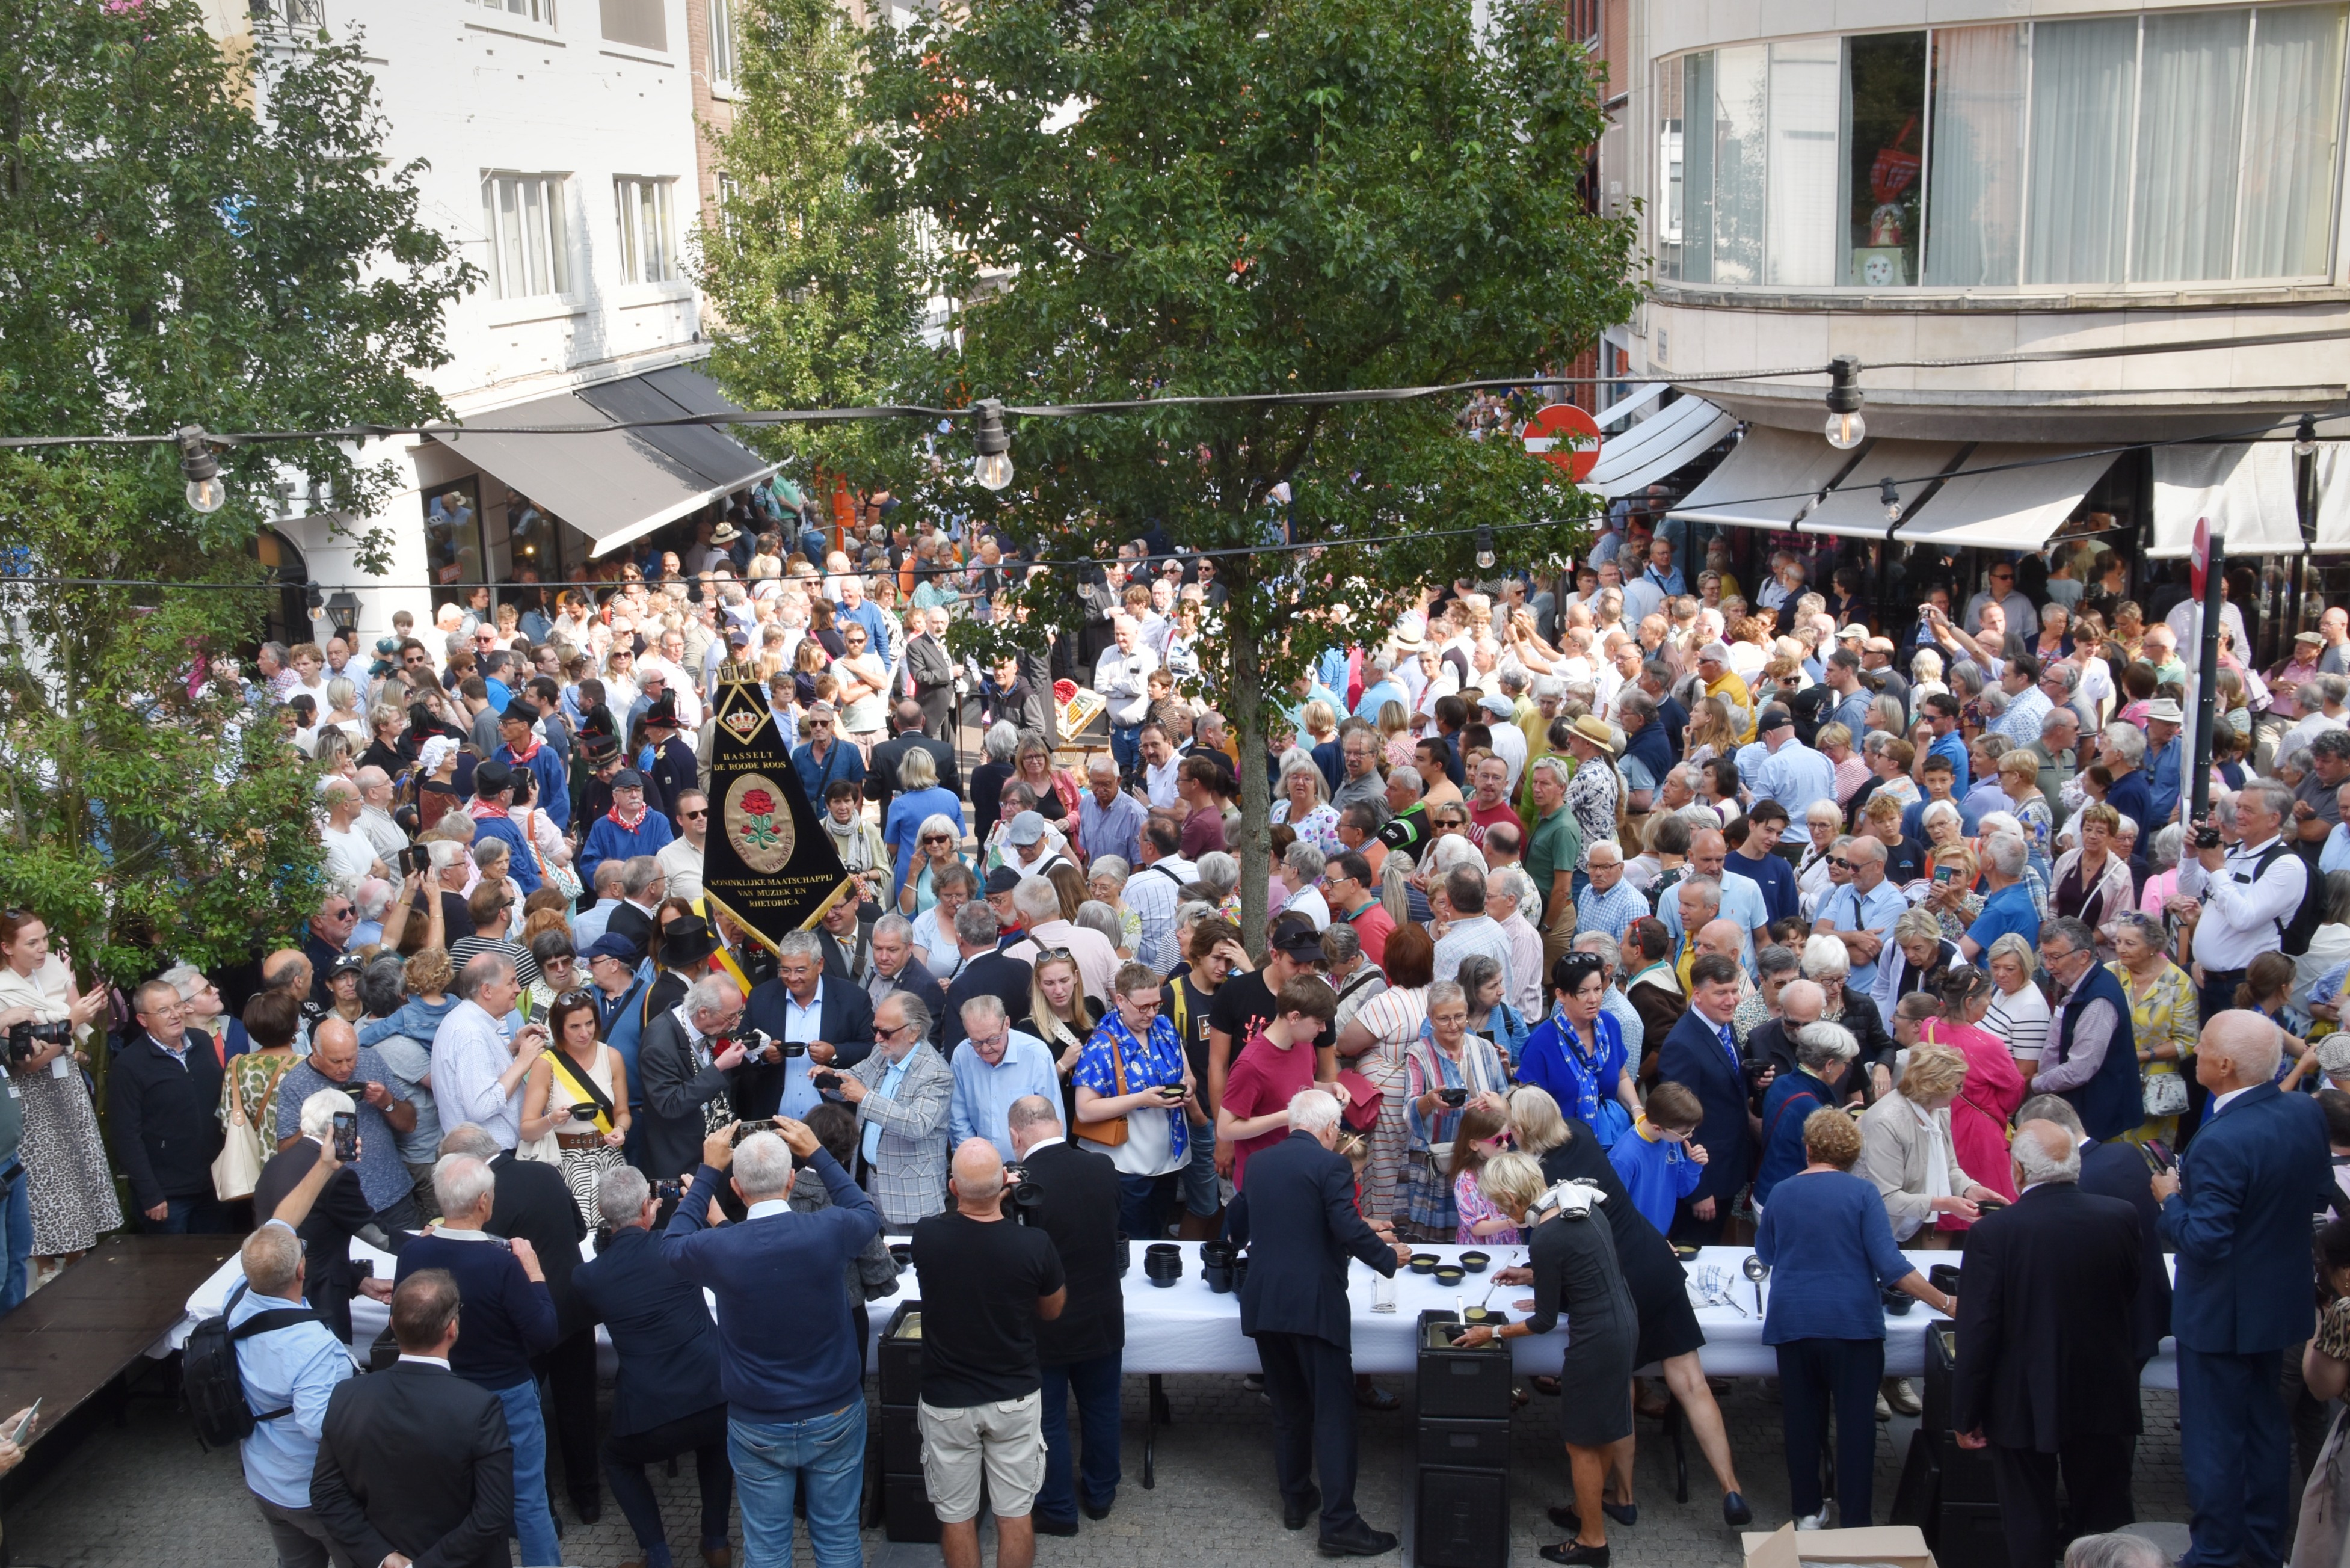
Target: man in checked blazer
point(901, 1094)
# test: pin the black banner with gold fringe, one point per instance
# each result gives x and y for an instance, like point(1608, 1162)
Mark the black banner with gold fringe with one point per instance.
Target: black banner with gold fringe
point(767, 864)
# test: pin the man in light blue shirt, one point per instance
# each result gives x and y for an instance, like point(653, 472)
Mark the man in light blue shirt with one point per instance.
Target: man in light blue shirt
point(1794, 775)
point(994, 1066)
point(1861, 913)
point(2336, 854)
point(1942, 709)
point(1662, 572)
point(290, 1374)
point(1108, 819)
point(1380, 687)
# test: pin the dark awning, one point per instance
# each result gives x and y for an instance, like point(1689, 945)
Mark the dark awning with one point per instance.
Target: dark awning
point(617, 486)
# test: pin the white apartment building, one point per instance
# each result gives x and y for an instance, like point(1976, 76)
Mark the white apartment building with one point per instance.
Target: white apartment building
point(566, 160)
point(1937, 180)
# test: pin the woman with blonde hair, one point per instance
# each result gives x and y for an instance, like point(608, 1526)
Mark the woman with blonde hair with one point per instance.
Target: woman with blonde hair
point(1062, 1015)
point(1395, 739)
point(1907, 1151)
point(1711, 732)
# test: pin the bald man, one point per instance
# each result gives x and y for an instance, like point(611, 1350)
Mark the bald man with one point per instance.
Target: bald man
point(983, 1409)
point(2237, 1212)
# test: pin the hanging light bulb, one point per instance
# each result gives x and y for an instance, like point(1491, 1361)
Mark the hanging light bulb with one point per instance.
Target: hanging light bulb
point(1845, 428)
point(1485, 548)
point(993, 468)
point(207, 492)
point(1887, 493)
point(2304, 438)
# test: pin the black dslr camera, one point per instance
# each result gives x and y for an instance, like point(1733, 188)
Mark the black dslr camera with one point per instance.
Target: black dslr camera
point(1024, 1194)
point(26, 1040)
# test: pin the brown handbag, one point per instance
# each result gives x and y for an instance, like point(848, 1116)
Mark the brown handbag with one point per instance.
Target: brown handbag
point(1113, 1132)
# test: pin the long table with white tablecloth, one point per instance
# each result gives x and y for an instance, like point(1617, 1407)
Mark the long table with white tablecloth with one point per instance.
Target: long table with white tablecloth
point(1187, 1328)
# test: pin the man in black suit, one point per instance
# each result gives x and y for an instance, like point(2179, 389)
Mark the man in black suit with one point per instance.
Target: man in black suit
point(898, 965)
point(806, 1004)
point(414, 1463)
point(881, 768)
point(643, 885)
point(532, 1201)
point(2045, 1376)
point(163, 1095)
point(985, 971)
point(2118, 1169)
point(1699, 1055)
point(666, 1399)
point(690, 1069)
point(1301, 1225)
point(1076, 1199)
point(846, 938)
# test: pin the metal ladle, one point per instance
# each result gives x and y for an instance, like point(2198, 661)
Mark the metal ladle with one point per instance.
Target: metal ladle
point(1758, 1270)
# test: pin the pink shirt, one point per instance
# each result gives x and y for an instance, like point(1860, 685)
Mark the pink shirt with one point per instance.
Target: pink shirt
point(1979, 1117)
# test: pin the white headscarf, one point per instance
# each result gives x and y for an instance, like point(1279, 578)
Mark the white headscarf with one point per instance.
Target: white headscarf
point(434, 753)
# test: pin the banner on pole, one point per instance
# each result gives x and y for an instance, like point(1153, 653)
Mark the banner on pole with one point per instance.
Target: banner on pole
point(767, 860)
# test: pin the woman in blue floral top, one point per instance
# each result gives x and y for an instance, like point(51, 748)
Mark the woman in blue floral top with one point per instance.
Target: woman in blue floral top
point(1132, 1076)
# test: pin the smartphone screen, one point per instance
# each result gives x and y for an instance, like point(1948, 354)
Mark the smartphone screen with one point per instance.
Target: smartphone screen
point(347, 1136)
point(25, 1428)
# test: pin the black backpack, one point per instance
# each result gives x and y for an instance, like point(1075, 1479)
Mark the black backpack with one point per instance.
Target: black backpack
point(210, 1380)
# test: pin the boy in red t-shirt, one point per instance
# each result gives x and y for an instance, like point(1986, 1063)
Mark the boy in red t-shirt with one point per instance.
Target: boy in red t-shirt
point(1273, 1067)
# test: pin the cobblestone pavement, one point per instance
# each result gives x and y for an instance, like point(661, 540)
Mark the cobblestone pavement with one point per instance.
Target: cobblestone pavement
point(147, 1494)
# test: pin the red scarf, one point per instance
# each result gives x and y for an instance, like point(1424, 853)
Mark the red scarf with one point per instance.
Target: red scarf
point(616, 820)
point(522, 758)
point(483, 808)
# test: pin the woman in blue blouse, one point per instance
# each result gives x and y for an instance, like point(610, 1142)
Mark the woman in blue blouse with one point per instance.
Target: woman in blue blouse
point(918, 799)
point(1823, 1053)
point(1830, 1247)
point(1578, 1053)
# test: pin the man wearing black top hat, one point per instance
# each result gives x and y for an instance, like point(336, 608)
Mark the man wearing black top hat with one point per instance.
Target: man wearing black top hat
point(687, 944)
point(673, 769)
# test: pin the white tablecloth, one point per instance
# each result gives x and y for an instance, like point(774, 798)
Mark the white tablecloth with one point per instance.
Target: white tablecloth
point(1187, 1328)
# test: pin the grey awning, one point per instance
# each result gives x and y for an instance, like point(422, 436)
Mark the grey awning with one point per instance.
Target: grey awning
point(1854, 509)
point(2245, 489)
point(1658, 444)
point(617, 486)
point(1769, 479)
point(2007, 497)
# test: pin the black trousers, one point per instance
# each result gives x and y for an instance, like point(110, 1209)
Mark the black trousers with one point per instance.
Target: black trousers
point(570, 1371)
point(1816, 1376)
point(2096, 1471)
point(1312, 1385)
point(703, 1434)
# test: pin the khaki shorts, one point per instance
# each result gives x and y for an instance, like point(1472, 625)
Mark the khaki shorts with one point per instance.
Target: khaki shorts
point(1005, 1439)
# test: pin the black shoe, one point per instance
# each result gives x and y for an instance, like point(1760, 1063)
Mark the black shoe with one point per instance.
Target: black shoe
point(1097, 1510)
point(1047, 1525)
point(1566, 1519)
point(1293, 1515)
point(1575, 1552)
point(1626, 1513)
point(1358, 1540)
point(1371, 1397)
point(1734, 1510)
point(589, 1509)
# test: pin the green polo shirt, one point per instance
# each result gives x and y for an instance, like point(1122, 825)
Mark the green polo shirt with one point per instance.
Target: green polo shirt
point(1554, 847)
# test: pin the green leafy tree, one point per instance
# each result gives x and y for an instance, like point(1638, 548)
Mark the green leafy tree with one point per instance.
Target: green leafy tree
point(1166, 198)
point(816, 294)
point(185, 237)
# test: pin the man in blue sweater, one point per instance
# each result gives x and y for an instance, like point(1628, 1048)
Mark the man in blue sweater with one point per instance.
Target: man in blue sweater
point(787, 1352)
point(509, 1318)
point(521, 748)
point(493, 794)
point(629, 830)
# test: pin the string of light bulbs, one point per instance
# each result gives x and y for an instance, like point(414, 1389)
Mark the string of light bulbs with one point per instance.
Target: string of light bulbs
point(992, 466)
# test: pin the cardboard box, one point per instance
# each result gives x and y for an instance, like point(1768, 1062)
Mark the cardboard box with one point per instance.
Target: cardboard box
point(1902, 1545)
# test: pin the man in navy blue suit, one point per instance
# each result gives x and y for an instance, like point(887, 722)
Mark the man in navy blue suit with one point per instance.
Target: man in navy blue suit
point(2237, 1211)
point(1301, 1224)
point(1701, 1055)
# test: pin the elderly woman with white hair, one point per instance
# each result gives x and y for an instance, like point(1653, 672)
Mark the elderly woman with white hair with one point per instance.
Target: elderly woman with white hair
point(1828, 965)
point(1446, 1070)
point(1302, 801)
point(1825, 826)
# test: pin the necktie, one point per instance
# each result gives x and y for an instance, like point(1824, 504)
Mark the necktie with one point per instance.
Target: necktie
point(887, 1089)
point(1729, 1047)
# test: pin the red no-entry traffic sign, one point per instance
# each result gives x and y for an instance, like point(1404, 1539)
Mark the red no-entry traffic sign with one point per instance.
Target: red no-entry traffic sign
point(1565, 435)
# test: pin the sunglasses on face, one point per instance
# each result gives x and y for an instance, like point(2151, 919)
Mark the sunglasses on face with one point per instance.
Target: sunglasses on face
point(692, 815)
point(819, 723)
point(936, 838)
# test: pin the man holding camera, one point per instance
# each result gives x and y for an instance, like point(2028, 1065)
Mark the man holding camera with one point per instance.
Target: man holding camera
point(690, 1065)
point(2240, 900)
point(816, 1020)
point(981, 1406)
point(1071, 1195)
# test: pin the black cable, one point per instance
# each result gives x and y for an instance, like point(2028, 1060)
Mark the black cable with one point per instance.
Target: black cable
point(772, 417)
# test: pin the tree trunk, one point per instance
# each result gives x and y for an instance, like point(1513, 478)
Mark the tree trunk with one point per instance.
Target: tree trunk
point(1256, 803)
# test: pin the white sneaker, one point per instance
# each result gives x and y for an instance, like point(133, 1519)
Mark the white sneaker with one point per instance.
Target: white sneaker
point(1813, 1521)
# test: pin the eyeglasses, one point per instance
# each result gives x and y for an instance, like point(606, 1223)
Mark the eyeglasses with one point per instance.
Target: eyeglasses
point(1841, 865)
point(937, 838)
point(692, 815)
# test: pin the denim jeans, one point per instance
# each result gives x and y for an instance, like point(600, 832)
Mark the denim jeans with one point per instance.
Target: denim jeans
point(1142, 1206)
point(1202, 1195)
point(1125, 746)
point(527, 1429)
point(1096, 1385)
point(16, 1214)
point(771, 1461)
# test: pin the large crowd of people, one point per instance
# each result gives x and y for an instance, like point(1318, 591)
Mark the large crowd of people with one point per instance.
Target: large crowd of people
point(1620, 896)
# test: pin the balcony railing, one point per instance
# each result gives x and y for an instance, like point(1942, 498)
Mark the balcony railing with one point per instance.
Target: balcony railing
point(287, 14)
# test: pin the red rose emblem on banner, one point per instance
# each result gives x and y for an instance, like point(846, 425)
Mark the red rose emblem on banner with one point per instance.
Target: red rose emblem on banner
point(759, 802)
point(758, 824)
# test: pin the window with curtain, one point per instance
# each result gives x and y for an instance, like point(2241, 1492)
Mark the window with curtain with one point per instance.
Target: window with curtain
point(1974, 221)
point(1806, 104)
point(522, 218)
point(2083, 89)
point(2189, 146)
point(1885, 133)
point(1741, 130)
point(647, 255)
point(2291, 141)
point(1671, 190)
point(722, 42)
point(1697, 168)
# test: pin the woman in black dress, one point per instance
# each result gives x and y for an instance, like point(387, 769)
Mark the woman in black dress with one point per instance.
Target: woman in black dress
point(1572, 1258)
point(1670, 1337)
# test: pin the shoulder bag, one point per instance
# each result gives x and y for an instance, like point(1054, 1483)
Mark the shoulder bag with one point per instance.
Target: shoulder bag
point(236, 1169)
point(1111, 1133)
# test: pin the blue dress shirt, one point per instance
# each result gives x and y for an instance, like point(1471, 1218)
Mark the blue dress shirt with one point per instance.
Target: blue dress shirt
point(297, 1367)
point(984, 1094)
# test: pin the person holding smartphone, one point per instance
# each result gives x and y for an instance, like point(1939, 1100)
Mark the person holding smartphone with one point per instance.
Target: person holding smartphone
point(1134, 1088)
